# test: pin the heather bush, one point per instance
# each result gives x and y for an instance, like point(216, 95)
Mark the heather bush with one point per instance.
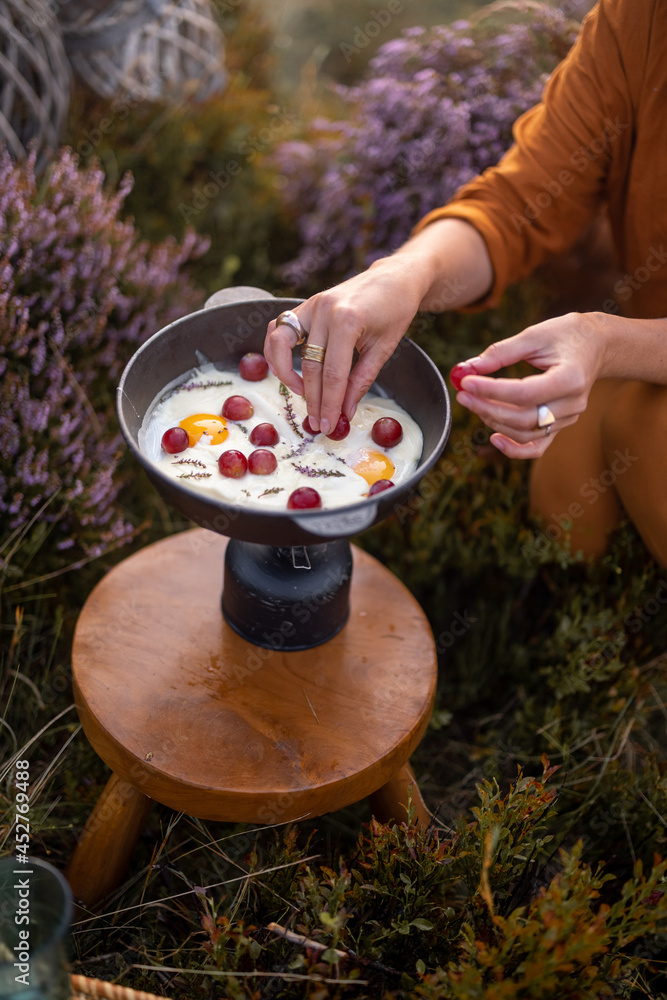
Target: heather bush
point(436, 108)
point(486, 909)
point(79, 290)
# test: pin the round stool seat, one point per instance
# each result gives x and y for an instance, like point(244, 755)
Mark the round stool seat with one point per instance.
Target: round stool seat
point(194, 716)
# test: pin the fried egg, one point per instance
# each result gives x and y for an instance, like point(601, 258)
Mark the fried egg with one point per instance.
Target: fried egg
point(341, 471)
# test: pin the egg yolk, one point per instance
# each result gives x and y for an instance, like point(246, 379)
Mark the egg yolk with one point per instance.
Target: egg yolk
point(373, 465)
point(204, 423)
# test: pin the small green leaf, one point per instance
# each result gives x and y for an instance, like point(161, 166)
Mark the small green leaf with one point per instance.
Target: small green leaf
point(422, 925)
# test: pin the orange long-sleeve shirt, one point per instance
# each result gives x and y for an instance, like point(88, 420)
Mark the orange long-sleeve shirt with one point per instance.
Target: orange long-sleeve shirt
point(598, 136)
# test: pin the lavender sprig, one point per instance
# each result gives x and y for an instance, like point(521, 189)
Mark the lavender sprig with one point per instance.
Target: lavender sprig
point(308, 470)
point(189, 386)
point(194, 475)
point(300, 448)
point(189, 461)
point(274, 489)
point(289, 410)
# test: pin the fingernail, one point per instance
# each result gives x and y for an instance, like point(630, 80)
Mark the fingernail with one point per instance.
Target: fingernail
point(325, 426)
point(459, 371)
point(353, 410)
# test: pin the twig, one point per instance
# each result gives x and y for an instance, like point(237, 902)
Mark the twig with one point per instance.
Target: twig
point(318, 946)
point(306, 942)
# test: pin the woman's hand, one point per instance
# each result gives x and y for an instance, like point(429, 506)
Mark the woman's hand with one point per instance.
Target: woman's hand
point(569, 350)
point(370, 312)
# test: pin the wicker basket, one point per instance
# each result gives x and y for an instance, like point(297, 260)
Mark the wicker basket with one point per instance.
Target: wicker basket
point(92, 989)
point(149, 49)
point(34, 77)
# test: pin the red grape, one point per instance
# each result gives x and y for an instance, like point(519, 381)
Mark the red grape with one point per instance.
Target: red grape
point(237, 408)
point(459, 372)
point(233, 464)
point(304, 498)
point(387, 432)
point(379, 486)
point(175, 440)
point(262, 462)
point(341, 430)
point(307, 427)
point(253, 367)
point(264, 434)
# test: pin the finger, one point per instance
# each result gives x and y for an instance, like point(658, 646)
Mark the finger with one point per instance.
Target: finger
point(508, 352)
point(313, 372)
point(520, 424)
point(344, 332)
point(514, 449)
point(559, 381)
point(537, 434)
point(362, 377)
point(333, 381)
point(278, 347)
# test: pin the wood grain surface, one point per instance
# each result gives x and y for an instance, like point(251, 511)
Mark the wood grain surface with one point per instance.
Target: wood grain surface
point(183, 708)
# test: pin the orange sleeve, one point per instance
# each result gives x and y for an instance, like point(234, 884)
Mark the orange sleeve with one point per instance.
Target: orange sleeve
point(551, 181)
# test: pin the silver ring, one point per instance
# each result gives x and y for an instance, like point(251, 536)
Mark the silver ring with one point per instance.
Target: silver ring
point(289, 318)
point(547, 430)
point(544, 416)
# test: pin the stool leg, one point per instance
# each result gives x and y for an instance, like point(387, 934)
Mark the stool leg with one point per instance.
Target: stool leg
point(389, 803)
point(107, 842)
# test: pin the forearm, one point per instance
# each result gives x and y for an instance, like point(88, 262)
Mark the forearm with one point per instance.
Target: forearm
point(450, 264)
point(632, 348)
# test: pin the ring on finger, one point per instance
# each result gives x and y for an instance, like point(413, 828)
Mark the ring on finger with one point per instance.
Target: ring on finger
point(547, 430)
point(313, 352)
point(290, 318)
point(545, 417)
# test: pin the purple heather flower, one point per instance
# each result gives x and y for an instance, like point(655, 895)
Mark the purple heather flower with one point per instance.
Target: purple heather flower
point(436, 108)
point(78, 292)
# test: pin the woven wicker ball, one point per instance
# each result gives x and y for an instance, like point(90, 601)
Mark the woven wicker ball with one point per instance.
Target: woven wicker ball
point(34, 77)
point(149, 49)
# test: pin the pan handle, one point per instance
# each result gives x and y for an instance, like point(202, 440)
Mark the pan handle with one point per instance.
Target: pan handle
point(338, 524)
point(237, 293)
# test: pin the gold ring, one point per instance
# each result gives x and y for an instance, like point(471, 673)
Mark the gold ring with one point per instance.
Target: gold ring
point(312, 352)
point(544, 416)
point(290, 318)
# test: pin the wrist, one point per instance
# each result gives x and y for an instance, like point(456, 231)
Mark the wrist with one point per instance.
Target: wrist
point(597, 332)
point(406, 268)
point(630, 348)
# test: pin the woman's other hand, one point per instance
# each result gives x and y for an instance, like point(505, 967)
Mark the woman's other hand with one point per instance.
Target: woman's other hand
point(569, 351)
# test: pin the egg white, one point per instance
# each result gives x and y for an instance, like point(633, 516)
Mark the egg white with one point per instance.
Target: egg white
point(318, 452)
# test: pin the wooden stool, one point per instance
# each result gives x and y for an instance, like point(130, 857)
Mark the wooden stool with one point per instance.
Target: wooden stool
point(186, 712)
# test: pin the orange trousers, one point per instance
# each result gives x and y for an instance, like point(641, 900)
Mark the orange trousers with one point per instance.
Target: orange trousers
point(613, 459)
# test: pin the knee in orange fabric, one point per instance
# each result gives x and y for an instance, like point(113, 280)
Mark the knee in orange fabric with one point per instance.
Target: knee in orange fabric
point(634, 441)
